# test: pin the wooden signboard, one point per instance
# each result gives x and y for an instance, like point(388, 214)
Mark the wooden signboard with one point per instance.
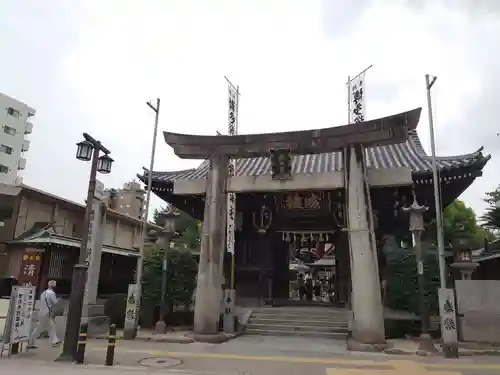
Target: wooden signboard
point(29, 271)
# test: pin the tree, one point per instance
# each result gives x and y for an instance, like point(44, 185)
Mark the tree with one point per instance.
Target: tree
point(402, 284)
point(491, 218)
point(459, 222)
point(181, 277)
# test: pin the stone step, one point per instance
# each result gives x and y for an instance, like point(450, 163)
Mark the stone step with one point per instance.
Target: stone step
point(302, 310)
point(300, 328)
point(298, 322)
point(279, 332)
point(300, 317)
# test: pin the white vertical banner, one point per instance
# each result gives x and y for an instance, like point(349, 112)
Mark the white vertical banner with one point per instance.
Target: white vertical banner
point(232, 121)
point(357, 107)
point(90, 260)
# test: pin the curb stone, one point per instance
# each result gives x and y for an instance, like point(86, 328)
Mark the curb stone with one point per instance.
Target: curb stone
point(173, 340)
point(464, 353)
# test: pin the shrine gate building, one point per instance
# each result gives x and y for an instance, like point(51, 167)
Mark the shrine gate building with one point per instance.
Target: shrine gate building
point(343, 186)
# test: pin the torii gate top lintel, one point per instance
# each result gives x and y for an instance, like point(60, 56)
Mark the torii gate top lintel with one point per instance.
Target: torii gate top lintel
point(382, 131)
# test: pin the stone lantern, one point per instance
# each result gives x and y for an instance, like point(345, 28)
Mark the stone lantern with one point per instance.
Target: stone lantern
point(170, 217)
point(463, 259)
point(416, 212)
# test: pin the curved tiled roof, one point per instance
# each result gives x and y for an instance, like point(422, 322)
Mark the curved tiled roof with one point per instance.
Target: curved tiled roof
point(410, 154)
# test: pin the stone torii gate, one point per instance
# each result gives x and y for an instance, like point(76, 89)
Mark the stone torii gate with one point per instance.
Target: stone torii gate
point(368, 320)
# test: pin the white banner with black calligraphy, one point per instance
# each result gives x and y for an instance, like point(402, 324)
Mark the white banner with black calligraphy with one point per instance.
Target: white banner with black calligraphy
point(357, 108)
point(231, 197)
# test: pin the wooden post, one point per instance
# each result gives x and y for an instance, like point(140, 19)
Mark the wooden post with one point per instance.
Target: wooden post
point(208, 291)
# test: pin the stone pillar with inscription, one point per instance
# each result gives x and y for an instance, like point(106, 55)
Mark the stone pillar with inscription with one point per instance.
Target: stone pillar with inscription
point(209, 289)
point(368, 321)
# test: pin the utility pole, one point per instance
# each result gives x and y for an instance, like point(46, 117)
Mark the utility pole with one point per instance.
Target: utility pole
point(435, 178)
point(131, 334)
point(450, 349)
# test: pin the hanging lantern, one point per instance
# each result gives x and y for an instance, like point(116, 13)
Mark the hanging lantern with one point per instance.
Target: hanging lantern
point(281, 164)
point(84, 150)
point(104, 164)
point(262, 221)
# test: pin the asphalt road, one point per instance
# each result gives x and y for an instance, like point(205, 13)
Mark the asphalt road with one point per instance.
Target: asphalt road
point(248, 355)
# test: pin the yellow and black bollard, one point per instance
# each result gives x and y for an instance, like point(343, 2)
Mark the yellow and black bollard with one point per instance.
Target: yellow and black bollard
point(82, 343)
point(110, 352)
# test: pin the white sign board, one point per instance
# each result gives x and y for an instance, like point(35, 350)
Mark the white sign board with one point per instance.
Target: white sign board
point(448, 315)
point(99, 190)
point(93, 230)
point(94, 253)
point(22, 313)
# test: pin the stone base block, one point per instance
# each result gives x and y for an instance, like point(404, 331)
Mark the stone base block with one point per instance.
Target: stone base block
point(213, 339)
point(358, 346)
point(426, 346)
point(98, 325)
point(160, 327)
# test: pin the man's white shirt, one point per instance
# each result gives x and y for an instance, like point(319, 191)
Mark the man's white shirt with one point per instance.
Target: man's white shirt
point(48, 300)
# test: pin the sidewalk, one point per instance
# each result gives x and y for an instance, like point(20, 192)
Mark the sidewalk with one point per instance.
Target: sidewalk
point(410, 347)
point(176, 336)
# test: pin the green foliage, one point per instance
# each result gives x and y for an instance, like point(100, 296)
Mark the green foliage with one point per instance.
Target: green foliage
point(181, 277)
point(187, 228)
point(402, 286)
point(491, 218)
point(459, 222)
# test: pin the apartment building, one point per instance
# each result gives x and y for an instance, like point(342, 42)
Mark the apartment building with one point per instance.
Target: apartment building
point(128, 201)
point(14, 143)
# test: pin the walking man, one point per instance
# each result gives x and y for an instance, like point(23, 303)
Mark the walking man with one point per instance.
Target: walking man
point(48, 301)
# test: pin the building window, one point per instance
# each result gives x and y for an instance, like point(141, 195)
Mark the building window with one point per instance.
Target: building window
point(6, 149)
point(9, 130)
point(4, 169)
point(12, 112)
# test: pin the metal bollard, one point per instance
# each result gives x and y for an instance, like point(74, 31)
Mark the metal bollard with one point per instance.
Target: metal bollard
point(110, 352)
point(82, 343)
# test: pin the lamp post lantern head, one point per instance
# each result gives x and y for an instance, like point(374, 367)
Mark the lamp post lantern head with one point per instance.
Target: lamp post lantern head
point(104, 164)
point(416, 212)
point(84, 150)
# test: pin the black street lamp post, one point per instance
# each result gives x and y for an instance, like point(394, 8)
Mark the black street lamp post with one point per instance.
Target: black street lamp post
point(88, 149)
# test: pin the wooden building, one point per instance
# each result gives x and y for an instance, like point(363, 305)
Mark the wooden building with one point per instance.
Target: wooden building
point(41, 234)
point(344, 185)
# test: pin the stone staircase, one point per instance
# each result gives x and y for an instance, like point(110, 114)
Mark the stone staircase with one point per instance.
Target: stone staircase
point(326, 322)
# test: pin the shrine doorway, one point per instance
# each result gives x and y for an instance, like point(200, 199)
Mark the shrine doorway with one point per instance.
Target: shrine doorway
point(304, 265)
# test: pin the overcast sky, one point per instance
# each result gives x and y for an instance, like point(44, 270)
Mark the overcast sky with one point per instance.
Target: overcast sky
point(90, 66)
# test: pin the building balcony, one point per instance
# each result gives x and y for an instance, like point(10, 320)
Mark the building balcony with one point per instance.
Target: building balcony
point(22, 164)
point(26, 145)
point(29, 128)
